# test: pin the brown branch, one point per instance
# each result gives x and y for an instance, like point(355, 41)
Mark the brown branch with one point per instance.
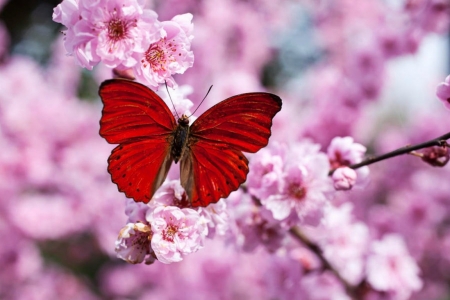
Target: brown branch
point(440, 141)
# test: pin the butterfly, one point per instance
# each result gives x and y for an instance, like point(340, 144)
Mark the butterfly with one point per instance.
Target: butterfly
point(149, 139)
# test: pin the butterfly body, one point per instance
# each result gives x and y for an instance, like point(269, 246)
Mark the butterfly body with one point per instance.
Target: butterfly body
point(180, 138)
point(212, 164)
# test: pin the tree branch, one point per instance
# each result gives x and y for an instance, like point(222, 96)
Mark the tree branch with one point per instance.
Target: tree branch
point(440, 141)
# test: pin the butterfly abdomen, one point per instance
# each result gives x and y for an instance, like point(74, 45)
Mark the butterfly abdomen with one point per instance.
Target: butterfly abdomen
point(180, 138)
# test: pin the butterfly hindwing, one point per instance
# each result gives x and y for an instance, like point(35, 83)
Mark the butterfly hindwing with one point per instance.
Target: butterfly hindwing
point(212, 171)
point(140, 122)
point(139, 168)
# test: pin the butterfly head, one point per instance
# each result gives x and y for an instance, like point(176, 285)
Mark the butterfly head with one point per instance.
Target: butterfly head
point(184, 120)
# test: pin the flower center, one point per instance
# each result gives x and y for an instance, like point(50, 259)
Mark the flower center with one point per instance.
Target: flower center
point(117, 29)
point(159, 55)
point(169, 233)
point(296, 190)
point(338, 161)
point(141, 242)
point(155, 56)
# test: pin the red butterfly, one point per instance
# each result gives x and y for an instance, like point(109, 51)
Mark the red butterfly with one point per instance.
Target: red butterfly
point(212, 164)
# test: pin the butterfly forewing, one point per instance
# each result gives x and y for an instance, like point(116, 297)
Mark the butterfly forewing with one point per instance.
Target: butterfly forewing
point(131, 112)
point(140, 122)
point(214, 165)
point(242, 122)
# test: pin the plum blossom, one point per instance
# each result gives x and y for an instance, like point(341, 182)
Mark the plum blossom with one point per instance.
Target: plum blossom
point(167, 56)
point(437, 156)
point(165, 229)
point(443, 92)
point(216, 217)
point(176, 232)
point(390, 268)
point(136, 211)
point(266, 169)
point(301, 188)
point(106, 31)
point(344, 178)
point(342, 152)
point(177, 100)
point(133, 243)
point(346, 241)
point(252, 225)
point(171, 193)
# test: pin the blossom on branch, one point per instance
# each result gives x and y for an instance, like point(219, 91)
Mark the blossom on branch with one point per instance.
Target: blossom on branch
point(106, 31)
point(133, 244)
point(344, 178)
point(443, 92)
point(123, 35)
point(297, 189)
point(176, 232)
point(343, 152)
point(169, 55)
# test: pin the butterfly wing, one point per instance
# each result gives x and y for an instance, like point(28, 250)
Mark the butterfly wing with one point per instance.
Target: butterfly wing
point(214, 165)
point(137, 119)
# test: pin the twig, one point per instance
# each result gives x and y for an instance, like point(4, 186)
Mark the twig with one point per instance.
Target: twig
point(440, 141)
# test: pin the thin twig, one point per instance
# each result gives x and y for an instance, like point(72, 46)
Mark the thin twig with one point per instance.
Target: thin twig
point(440, 141)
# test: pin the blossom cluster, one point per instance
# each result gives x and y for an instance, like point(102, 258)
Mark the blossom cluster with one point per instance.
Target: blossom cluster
point(167, 229)
point(123, 34)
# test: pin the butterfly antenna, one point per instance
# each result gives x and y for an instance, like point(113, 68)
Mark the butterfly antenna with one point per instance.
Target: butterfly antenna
point(167, 89)
point(209, 90)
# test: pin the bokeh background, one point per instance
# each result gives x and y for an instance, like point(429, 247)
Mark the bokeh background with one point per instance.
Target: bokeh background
point(367, 69)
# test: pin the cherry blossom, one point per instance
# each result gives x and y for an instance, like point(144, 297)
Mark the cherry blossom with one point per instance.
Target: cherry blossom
point(176, 232)
point(443, 92)
point(133, 244)
point(391, 269)
point(346, 242)
point(303, 185)
point(344, 178)
point(107, 31)
point(344, 152)
point(169, 55)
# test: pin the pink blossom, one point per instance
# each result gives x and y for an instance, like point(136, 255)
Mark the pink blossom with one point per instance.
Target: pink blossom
point(266, 168)
point(176, 232)
point(252, 226)
point(133, 243)
point(136, 211)
point(443, 92)
point(343, 151)
point(323, 286)
point(171, 193)
point(107, 31)
point(344, 178)
point(177, 100)
point(303, 187)
point(390, 268)
point(167, 56)
point(344, 241)
point(216, 217)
